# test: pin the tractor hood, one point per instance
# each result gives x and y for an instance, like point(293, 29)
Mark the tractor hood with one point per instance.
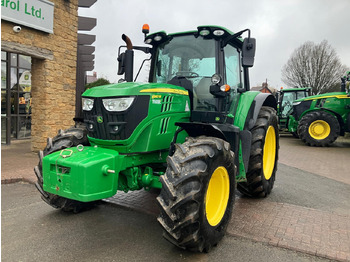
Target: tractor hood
point(132, 89)
point(134, 117)
point(326, 95)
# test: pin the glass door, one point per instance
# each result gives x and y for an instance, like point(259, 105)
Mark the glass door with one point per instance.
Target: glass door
point(16, 96)
point(20, 96)
point(4, 99)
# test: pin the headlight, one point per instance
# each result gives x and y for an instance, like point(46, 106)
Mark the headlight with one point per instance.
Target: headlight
point(219, 32)
point(157, 38)
point(117, 104)
point(215, 79)
point(88, 104)
point(148, 41)
point(204, 32)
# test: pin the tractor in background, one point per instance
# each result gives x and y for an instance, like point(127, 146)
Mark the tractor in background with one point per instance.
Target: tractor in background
point(319, 120)
point(285, 98)
point(194, 131)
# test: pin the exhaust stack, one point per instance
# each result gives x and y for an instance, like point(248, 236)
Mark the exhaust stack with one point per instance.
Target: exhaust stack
point(129, 59)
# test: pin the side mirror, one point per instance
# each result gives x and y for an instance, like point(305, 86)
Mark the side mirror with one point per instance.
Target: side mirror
point(248, 52)
point(121, 64)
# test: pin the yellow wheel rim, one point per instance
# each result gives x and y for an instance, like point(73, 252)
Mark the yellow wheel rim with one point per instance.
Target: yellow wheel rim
point(269, 153)
point(319, 129)
point(217, 196)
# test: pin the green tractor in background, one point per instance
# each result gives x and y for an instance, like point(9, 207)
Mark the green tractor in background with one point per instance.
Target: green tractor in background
point(285, 98)
point(193, 131)
point(320, 119)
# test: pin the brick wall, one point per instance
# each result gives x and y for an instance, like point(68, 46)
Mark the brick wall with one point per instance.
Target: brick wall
point(53, 79)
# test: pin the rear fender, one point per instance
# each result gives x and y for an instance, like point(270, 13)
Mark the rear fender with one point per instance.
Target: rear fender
point(262, 99)
point(245, 118)
point(249, 107)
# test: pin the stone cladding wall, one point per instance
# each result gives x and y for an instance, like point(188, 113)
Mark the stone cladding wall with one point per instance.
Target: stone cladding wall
point(54, 75)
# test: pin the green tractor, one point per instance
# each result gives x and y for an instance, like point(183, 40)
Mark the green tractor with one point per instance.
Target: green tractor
point(285, 98)
point(193, 131)
point(320, 119)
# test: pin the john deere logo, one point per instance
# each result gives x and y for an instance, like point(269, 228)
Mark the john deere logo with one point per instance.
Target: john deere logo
point(99, 119)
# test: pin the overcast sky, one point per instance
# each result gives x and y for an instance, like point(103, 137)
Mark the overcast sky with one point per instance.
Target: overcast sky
point(279, 26)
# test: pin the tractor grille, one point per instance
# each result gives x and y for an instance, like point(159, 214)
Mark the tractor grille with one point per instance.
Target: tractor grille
point(106, 125)
point(166, 103)
point(164, 125)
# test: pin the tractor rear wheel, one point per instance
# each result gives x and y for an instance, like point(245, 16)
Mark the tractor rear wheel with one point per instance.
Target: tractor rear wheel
point(65, 138)
point(197, 195)
point(318, 128)
point(263, 155)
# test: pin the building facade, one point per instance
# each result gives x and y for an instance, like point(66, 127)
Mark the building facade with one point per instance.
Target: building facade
point(38, 69)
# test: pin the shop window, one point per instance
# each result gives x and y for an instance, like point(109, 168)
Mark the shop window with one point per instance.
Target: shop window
point(25, 62)
point(13, 59)
point(3, 130)
point(15, 96)
point(3, 98)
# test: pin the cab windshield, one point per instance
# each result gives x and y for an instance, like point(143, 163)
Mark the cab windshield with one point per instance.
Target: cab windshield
point(190, 62)
point(287, 101)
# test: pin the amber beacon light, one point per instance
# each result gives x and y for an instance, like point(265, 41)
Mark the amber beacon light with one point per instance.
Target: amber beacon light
point(145, 29)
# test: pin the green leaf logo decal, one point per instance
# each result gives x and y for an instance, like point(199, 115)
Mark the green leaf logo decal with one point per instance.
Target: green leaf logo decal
point(99, 119)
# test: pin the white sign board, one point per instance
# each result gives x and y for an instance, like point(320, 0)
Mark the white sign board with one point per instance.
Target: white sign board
point(36, 14)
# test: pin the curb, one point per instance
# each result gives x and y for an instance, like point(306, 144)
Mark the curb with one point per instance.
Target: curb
point(281, 244)
point(17, 180)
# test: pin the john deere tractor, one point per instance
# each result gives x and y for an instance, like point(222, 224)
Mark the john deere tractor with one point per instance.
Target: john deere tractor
point(320, 119)
point(193, 131)
point(285, 98)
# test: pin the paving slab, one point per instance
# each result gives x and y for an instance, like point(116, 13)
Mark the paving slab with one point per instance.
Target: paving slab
point(314, 231)
point(17, 162)
point(33, 231)
point(294, 227)
point(331, 162)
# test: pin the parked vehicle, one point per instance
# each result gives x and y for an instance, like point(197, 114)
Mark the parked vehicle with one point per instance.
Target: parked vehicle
point(285, 98)
point(193, 131)
point(320, 119)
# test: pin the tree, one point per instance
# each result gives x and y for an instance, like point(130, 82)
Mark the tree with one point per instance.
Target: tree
point(98, 82)
point(314, 65)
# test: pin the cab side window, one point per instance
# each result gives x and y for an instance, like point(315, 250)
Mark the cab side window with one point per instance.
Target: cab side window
point(232, 67)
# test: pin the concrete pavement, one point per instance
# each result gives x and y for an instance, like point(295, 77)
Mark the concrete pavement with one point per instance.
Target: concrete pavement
point(17, 162)
point(317, 231)
point(309, 224)
point(331, 162)
point(33, 231)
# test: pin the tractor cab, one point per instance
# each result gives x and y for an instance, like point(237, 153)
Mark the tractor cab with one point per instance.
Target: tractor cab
point(345, 80)
point(207, 62)
point(286, 97)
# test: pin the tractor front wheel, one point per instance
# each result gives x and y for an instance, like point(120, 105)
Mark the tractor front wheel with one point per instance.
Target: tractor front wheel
point(65, 138)
point(318, 128)
point(263, 155)
point(197, 195)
